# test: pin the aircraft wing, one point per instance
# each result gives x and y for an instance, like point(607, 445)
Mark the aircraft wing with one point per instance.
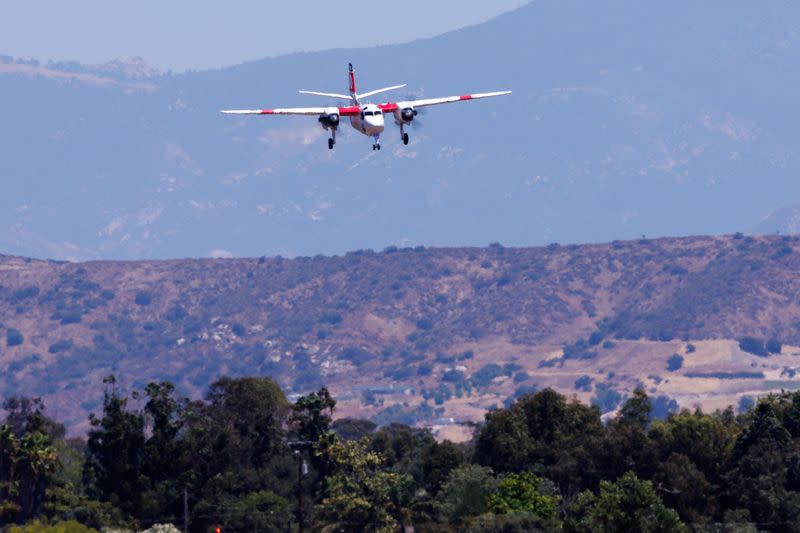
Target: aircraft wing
point(344, 111)
point(451, 99)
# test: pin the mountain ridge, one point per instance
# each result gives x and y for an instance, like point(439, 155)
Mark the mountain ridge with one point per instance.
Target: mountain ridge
point(426, 334)
point(624, 121)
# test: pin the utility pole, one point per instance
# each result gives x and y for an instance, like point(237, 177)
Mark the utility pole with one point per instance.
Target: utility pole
point(300, 517)
point(185, 510)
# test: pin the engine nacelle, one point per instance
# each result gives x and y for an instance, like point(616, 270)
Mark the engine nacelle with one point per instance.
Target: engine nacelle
point(329, 120)
point(407, 114)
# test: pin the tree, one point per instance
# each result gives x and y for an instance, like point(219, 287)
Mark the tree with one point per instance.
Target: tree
point(636, 410)
point(353, 428)
point(26, 416)
point(115, 452)
point(70, 526)
point(311, 415)
point(164, 465)
point(438, 460)
point(524, 493)
point(543, 429)
point(262, 511)
point(628, 504)
point(466, 491)
point(361, 494)
point(765, 429)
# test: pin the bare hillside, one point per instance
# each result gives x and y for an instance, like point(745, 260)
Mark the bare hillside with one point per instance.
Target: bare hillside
point(413, 334)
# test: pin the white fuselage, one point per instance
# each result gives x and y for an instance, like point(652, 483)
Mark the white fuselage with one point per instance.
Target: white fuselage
point(369, 121)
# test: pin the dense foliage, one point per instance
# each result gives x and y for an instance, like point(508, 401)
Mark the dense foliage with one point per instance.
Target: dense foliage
point(243, 458)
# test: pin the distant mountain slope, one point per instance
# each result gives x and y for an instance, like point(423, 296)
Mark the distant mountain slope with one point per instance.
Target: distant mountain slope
point(461, 327)
point(626, 119)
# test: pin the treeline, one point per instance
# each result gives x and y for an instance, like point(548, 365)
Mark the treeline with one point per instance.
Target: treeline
point(244, 458)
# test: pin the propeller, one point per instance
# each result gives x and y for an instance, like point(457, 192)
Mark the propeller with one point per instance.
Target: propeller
point(416, 123)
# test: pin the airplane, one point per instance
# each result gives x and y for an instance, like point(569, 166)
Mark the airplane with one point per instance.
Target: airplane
point(366, 118)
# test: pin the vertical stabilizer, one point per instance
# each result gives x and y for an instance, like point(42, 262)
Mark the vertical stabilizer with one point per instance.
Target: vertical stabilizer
point(353, 93)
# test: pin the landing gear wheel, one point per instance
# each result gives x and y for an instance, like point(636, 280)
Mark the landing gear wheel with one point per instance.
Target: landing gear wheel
point(405, 138)
point(331, 142)
point(374, 147)
point(379, 146)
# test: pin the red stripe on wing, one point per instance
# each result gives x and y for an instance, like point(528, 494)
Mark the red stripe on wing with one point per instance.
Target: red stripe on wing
point(388, 107)
point(466, 97)
point(267, 112)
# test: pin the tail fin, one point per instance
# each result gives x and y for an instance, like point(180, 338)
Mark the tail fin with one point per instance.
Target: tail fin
point(353, 93)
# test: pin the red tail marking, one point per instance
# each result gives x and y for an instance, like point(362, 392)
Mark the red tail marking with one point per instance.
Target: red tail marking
point(352, 80)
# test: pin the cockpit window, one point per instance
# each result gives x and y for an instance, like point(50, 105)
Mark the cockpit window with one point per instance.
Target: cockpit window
point(368, 113)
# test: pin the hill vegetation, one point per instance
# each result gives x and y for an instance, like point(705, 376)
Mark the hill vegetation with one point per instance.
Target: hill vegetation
point(243, 458)
point(419, 334)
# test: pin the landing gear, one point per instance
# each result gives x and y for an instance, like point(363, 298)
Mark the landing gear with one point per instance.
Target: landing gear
point(332, 140)
point(376, 146)
point(403, 135)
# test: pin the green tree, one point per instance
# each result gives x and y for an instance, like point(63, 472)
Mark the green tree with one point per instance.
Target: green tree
point(234, 443)
point(466, 491)
point(524, 493)
point(361, 494)
point(628, 504)
point(311, 415)
point(438, 460)
point(543, 429)
point(164, 465)
point(70, 526)
point(261, 511)
point(114, 452)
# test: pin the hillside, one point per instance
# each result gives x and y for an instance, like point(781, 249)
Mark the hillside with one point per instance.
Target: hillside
point(461, 329)
point(626, 119)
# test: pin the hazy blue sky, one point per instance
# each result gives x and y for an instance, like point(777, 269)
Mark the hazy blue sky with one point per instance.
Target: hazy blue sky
point(192, 34)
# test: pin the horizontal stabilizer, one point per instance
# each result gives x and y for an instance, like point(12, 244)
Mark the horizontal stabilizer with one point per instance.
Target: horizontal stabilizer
point(378, 91)
point(331, 95)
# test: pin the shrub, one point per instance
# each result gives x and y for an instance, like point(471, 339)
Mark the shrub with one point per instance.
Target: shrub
point(519, 377)
point(60, 346)
point(675, 362)
point(690, 348)
point(596, 337)
point(453, 376)
point(584, 383)
point(143, 298)
point(424, 324)
point(606, 398)
point(176, 313)
point(774, 346)
point(579, 350)
point(608, 345)
point(753, 345)
point(13, 337)
point(24, 293)
point(331, 317)
point(746, 403)
point(726, 375)
point(486, 374)
point(355, 355)
point(520, 392)
point(661, 407)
